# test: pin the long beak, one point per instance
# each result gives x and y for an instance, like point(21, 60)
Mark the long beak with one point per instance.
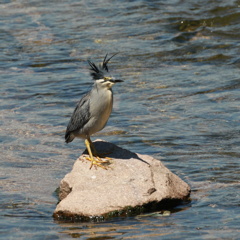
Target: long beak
point(117, 80)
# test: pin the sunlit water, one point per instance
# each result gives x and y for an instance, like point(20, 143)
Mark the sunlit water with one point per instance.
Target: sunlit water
point(180, 102)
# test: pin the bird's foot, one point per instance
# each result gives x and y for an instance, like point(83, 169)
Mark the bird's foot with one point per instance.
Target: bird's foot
point(97, 162)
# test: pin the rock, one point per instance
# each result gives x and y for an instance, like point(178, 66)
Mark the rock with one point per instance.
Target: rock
point(132, 184)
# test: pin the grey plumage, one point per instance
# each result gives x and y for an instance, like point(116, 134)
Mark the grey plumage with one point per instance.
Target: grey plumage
point(78, 119)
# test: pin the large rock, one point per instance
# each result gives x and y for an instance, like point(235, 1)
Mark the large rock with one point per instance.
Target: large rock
point(133, 183)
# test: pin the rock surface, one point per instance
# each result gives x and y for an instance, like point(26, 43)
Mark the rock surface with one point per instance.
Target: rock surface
point(132, 183)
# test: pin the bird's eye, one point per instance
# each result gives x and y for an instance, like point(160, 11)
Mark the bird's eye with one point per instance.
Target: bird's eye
point(106, 78)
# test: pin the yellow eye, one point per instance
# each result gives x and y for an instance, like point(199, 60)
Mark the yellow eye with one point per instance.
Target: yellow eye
point(107, 78)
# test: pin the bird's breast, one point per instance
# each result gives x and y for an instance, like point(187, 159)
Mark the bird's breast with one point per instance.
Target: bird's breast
point(100, 110)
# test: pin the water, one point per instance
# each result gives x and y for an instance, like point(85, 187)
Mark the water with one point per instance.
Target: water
point(180, 101)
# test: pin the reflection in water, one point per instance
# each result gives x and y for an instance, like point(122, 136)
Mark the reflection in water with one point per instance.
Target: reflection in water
point(115, 230)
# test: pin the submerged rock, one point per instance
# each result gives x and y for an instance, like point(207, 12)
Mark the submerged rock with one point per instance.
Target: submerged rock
point(132, 184)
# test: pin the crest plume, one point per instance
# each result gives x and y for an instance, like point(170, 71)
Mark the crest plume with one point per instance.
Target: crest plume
point(98, 72)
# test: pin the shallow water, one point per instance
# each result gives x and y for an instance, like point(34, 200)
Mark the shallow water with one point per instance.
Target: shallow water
point(180, 103)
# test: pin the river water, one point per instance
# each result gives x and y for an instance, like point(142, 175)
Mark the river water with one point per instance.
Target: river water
point(179, 102)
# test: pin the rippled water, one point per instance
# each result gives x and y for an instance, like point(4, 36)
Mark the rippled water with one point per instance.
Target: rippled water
point(180, 101)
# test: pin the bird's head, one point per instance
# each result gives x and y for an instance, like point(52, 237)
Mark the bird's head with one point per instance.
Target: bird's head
point(101, 75)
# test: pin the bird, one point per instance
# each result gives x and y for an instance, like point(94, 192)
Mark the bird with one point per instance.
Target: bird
point(93, 110)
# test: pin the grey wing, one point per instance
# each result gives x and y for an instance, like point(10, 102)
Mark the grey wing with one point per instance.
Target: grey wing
point(79, 117)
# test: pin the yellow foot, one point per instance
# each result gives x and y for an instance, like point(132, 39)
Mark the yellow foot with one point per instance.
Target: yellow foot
point(97, 162)
point(94, 157)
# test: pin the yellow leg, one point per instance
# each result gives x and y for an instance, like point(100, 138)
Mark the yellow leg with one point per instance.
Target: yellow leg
point(94, 161)
point(93, 148)
point(96, 154)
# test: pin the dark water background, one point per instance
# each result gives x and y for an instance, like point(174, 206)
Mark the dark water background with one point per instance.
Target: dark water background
point(180, 101)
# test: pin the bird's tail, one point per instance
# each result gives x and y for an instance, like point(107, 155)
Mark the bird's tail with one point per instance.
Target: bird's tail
point(69, 137)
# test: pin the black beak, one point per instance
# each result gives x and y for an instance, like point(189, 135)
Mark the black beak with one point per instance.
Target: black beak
point(118, 80)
